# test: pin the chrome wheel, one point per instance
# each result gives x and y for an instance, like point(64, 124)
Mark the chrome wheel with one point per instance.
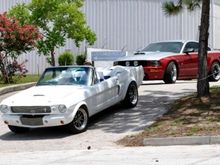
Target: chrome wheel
point(216, 72)
point(131, 98)
point(173, 73)
point(80, 122)
point(81, 119)
point(133, 94)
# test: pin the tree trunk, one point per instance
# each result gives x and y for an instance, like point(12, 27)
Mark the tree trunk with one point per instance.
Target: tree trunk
point(52, 57)
point(3, 65)
point(203, 83)
point(5, 75)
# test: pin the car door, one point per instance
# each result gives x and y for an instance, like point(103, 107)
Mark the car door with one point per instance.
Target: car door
point(95, 100)
point(109, 89)
point(104, 93)
point(190, 64)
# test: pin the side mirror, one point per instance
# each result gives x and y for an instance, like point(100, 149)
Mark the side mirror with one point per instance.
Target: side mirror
point(189, 50)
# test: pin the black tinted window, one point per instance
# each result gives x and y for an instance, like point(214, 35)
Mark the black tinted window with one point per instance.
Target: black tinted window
point(192, 45)
point(174, 47)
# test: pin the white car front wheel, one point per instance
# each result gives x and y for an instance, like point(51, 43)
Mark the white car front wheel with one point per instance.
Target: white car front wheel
point(80, 121)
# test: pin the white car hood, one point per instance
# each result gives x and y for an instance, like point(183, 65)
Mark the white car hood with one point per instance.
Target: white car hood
point(47, 95)
point(147, 56)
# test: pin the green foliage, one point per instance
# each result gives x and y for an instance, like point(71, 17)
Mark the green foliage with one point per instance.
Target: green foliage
point(171, 8)
point(21, 13)
point(80, 59)
point(192, 4)
point(57, 20)
point(66, 58)
point(18, 79)
point(14, 40)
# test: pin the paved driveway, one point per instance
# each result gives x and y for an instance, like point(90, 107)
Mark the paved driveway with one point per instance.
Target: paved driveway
point(166, 155)
point(106, 127)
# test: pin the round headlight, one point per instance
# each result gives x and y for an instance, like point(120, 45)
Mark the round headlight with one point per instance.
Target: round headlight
point(135, 63)
point(62, 108)
point(4, 108)
point(53, 108)
point(127, 63)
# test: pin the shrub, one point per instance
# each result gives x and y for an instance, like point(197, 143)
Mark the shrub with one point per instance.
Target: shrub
point(15, 39)
point(66, 58)
point(80, 59)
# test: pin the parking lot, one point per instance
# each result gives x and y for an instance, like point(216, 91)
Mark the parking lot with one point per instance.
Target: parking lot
point(104, 128)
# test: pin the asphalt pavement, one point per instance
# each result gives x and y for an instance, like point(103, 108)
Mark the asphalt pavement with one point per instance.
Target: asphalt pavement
point(172, 155)
point(52, 146)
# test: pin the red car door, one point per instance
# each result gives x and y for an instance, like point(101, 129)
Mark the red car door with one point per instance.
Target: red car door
point(192, 69)
point(190, 63)
point(186, 63)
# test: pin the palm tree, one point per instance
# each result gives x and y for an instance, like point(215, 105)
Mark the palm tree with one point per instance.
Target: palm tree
point(172, 8)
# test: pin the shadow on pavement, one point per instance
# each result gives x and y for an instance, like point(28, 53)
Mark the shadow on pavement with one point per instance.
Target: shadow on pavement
point(36, 134)
point(152, 104)
point(120, 120)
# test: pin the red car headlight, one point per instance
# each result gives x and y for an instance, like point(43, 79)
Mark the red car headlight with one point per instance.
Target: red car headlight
point(153, 63)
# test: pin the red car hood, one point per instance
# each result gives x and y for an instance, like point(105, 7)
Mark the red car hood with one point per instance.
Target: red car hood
point(146, 56)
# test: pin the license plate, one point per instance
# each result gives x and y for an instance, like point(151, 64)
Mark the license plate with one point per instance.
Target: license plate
point(32, 120)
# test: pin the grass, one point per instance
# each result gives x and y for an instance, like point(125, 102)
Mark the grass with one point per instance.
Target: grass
point(188, 116)
point(21, 80)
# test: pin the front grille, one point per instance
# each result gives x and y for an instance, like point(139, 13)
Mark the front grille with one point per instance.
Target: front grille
point(32, 120)
point(31, 109)
point(132, 63)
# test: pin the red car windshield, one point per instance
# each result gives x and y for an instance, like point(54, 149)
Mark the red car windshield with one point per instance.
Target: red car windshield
point(174, 47)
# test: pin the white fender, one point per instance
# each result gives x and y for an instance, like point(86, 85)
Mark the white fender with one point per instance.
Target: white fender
point(77, 107)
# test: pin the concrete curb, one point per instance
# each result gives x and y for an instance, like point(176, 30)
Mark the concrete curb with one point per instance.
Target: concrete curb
point(186, 140)
point(18, 87)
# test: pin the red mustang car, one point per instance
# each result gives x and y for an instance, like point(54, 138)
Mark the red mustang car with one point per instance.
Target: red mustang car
point(172, 60)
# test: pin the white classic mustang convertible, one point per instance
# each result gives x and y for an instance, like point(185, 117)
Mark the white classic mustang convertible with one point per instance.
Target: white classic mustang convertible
point(69, 96)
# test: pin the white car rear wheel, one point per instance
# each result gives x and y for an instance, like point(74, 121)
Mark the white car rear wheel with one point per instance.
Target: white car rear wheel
point(131, 98)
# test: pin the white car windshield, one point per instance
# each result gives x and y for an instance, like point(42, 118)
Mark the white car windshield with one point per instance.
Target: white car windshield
point(66, 76)
point(174, 47)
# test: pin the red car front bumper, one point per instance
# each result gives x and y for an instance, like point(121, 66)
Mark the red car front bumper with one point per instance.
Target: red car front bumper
point(153, 73)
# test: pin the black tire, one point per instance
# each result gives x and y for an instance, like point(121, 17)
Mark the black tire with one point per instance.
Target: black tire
point(131, 98)
point(80, 121)
point(214, 74)
point(170, 75)
point(18, 130)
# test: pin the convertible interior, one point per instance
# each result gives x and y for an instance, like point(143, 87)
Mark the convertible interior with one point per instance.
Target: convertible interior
point(74, 75)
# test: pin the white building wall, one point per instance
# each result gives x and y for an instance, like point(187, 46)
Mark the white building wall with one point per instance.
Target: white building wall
point(216, 24)
point(124, 24)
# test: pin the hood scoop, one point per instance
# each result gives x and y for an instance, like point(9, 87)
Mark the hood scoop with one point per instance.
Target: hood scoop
point(139, 53)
